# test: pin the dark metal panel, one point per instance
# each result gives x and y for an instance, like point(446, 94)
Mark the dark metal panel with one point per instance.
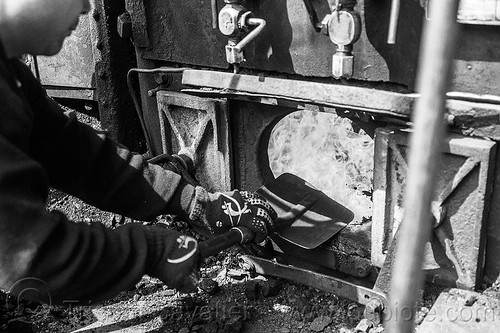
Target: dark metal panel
point(137, 12)
point(478, 60)
point(290, 43)
point(399, 60)
point(182, 32)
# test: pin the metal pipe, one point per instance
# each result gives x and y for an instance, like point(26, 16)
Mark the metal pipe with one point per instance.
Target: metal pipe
point(393, 21)
point(236, 68)
point(438, 46)
point(260, 23)
point(215, 12)
point(470, 97)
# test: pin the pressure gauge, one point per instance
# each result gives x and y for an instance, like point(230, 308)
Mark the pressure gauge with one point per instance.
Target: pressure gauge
point(344, 27)
point(228, 19)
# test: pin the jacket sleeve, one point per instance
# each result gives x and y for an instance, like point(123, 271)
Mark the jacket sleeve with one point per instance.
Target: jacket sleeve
point(73, 261)
point(76, 261)
point(91, 166)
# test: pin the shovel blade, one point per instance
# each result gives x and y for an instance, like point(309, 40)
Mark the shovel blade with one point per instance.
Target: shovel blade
point(306, 216)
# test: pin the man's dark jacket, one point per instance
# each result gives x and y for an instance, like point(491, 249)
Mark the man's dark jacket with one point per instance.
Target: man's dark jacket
point(41, 146)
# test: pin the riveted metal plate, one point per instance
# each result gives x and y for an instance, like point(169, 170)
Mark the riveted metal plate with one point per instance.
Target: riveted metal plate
point(455, 253)
point(200, 125)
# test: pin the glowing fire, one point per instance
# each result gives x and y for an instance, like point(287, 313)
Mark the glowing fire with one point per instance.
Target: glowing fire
point(323, 149)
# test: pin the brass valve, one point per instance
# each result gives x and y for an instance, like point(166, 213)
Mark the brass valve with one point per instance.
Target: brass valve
point(241, 27)
point(343, 26)
point(229, 19)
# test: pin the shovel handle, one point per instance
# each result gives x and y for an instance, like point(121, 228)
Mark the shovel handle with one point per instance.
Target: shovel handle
point(235, 236)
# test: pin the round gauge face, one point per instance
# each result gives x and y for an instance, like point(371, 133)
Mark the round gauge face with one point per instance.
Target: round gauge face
point(344, 27)
point(227, 23)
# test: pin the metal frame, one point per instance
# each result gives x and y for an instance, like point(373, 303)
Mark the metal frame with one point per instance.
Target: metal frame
point(205, 137)
point(390, 163)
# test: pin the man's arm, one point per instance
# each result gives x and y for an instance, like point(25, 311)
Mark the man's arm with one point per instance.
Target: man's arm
point(91, 166)
point(76, 261)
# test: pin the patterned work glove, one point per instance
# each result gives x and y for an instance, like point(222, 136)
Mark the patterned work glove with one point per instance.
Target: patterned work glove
point(219, 212)
point(179, 266)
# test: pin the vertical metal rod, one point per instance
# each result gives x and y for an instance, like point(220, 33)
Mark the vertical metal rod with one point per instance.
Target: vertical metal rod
point(393, 21)
point(437, 50)
point(215, 14)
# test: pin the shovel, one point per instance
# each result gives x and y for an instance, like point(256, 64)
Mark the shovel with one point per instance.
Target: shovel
point(306, 216)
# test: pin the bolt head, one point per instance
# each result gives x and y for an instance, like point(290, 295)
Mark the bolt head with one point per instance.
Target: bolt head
point(361, 271)
point(164, 78)
point(374, 305)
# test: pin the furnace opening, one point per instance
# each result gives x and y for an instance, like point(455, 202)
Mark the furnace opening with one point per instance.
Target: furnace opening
point(328, 151)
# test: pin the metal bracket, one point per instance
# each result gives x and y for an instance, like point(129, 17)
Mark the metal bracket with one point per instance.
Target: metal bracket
point(456, 250)
point(198, 128)
point(340, 287)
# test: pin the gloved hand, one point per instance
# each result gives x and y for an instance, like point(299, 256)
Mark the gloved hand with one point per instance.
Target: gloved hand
point(178, 267)
point(179, 164)
point(219, 212)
